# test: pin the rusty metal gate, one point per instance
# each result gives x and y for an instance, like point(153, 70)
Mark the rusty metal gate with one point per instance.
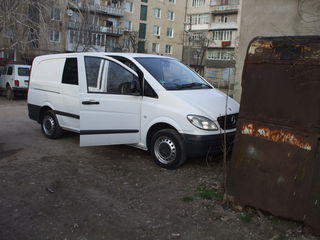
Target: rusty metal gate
point(276, 164)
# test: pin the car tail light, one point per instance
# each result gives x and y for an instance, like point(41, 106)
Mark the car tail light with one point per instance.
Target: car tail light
point(16, 83)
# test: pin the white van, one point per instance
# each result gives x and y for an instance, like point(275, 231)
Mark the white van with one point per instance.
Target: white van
point(151, 102)
point(14, 80)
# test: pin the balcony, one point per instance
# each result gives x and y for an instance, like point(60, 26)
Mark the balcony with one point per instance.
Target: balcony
point(119, 12)
point(115, 31)
point(227, 25)
point(98, 8)
point(226, 6)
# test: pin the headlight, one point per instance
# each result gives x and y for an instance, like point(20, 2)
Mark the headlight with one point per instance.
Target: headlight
point(202, 122)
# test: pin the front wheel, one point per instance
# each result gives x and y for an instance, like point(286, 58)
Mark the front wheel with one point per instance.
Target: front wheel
point(167, 149)
point(50, 125)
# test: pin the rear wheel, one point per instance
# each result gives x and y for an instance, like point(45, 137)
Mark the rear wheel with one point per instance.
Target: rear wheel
point(50, 125)
point(9, 93)
point(167, 149)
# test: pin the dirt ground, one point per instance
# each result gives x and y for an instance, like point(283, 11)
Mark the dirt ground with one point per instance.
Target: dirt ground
point(53, 189)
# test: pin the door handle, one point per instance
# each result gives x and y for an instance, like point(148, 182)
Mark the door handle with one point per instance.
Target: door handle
point(90, 102)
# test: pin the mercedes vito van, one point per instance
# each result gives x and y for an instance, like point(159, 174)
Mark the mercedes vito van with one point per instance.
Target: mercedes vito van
point(151, 102)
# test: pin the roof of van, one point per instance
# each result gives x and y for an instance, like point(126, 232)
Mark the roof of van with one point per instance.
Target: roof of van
point(128, 55)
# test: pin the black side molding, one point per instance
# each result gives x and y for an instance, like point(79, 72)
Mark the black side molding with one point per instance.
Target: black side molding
point(67, 114)
point(116, 131)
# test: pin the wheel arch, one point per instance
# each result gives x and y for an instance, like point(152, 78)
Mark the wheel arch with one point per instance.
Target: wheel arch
point(155, 128)
point(42, 111)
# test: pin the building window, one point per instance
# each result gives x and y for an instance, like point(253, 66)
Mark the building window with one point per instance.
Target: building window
point(155, 47)
point(198, 19)
point(222, 19)
point(128, 26)
point(222, 35)
point(142, 30)
point(172, 1)
point(197, 36)
point(144, 1)
point(157, 12)
point(143, 12)
point(198, 3)
point(220, 54)
point(170, 32)
point(129, 7)
point(54, 36)
point(55, 14)
point(170, 16)
point(156, 30)
point(168, 49)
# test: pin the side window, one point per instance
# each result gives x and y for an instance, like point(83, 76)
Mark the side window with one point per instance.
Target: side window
point(119, 79)
point(104, 76)
point(94, 74)
point(9, 71)
point(70, 72)
point(148, 91)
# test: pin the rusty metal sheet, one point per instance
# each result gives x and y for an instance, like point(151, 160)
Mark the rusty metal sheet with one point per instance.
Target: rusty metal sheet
point(276, 164)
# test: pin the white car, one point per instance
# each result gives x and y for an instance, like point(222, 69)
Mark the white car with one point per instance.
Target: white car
point(14, 80)
point(151, 102)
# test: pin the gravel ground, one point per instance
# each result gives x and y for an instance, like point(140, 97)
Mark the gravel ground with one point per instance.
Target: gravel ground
point(53, 189)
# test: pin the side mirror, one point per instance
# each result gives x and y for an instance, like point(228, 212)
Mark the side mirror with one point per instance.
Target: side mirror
point(135, 88)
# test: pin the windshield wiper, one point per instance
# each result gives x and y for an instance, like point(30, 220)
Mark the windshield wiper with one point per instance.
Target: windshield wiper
point(190, 85)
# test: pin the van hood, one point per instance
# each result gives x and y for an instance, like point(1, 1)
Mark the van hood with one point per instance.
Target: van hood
point(211, 102)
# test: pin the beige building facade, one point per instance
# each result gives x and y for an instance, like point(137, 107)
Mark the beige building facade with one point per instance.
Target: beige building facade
point(274, 18)
point(157, 25)
point(212, 28)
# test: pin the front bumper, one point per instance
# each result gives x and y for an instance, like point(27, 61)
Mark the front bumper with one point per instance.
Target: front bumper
point(200, 145)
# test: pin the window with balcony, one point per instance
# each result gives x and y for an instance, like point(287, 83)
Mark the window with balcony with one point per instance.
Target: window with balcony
point(128, 26)
point(198, 3)
point(170, 32)
point(222, 35)
point(155, 47)
point(129, 7)
point(156, 30)
point(54, 36)
point(157, 12)
point(222, 19)
point(168, 49)
point(56, 14)
point(170, 16)
point(220, 54)
point(198, 19)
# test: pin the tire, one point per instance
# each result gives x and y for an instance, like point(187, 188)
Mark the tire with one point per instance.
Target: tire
point(50, 125)
point(167, 149)
point(9, 93)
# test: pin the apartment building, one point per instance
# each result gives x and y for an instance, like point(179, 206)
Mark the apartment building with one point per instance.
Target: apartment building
point(156, 26)
point(103, 25)
point(94, 25)
point(211, 32)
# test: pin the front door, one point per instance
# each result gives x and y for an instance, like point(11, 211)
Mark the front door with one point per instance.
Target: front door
point(109, 111)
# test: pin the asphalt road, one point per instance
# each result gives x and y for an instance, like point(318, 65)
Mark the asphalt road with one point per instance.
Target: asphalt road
point(53, 189)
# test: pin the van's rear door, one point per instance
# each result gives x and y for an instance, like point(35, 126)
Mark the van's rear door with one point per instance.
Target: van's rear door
point(109, 113)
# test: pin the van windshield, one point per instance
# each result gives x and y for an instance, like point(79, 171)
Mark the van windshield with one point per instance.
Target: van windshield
point(171, 74)
point(23, 71)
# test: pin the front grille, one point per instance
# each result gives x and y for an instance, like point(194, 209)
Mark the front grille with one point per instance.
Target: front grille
point(231, 123)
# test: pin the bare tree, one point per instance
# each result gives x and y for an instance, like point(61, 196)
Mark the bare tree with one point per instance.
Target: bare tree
point(84, 24)
point(21, 23)
point(202, 45)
